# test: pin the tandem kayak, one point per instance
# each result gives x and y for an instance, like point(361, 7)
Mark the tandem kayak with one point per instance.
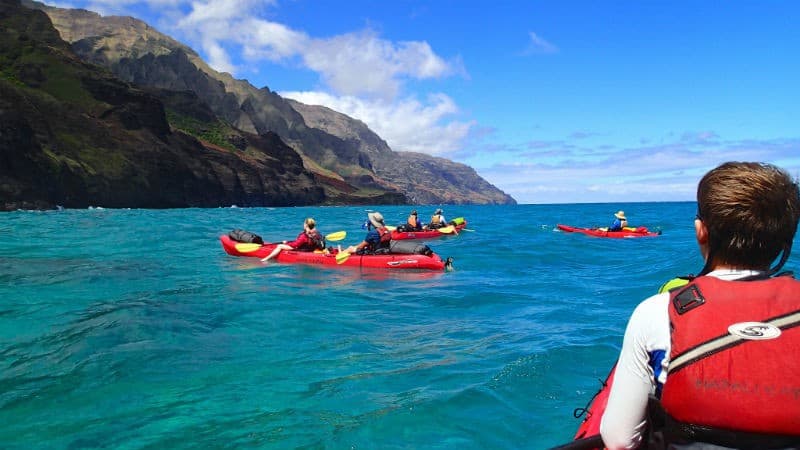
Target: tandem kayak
point(451, 230)
point(627, 232)
point(388, 261)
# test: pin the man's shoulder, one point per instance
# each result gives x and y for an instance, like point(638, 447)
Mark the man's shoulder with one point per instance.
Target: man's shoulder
point(674, 283)
point(655, 304)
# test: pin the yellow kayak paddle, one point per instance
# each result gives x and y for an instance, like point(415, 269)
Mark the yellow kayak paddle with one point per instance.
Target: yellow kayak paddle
point(246, 247)
point(447, 230)
point(342, 256)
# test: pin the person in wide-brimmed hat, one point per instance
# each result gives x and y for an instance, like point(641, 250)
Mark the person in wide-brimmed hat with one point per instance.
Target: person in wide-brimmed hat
point(377, 237)
point(620, 221)
point(437, 219)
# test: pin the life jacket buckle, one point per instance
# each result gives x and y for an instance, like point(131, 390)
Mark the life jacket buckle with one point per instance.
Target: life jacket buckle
point(688, 299)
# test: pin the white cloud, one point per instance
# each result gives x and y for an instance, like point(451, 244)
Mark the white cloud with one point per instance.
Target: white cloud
point(218, 58)
point(205, 12)
point(363, 64)
point(539, 45)
point(364, 74)
point(271, 41)
point(357, 63)
point(406, 125)
point(647, 173)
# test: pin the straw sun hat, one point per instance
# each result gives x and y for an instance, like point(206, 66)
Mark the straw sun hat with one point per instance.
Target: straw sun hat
point(620, 215)
point(376, 219)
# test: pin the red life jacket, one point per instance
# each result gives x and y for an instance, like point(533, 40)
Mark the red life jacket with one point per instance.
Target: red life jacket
point(316, 240)
point(386, 237)
point(384, 242)
point(735, 356)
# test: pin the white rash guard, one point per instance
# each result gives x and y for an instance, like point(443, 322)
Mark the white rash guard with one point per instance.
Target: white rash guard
point(642, 368)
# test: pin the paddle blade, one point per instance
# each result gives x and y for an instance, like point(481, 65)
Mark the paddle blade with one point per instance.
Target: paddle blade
point(446, 230)
point(245, 247)
point(390, 228)
point(341, 257)
point(337, 236)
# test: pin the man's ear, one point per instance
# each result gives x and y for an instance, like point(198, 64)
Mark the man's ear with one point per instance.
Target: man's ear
point(700, 232)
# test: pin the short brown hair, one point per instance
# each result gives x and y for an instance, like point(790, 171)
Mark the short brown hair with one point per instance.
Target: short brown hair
point(751, 212)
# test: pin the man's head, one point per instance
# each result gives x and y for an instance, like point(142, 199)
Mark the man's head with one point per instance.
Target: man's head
point(376, 219)
point(748, 214)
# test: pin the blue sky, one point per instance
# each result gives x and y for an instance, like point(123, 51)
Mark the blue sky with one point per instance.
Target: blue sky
point(552, 102)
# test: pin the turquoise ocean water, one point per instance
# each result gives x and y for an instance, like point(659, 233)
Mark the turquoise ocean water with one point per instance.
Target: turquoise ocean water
point(132, 329)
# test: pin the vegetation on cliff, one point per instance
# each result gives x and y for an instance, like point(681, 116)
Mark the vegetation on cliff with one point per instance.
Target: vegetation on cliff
point(72, 134)
point(156, 127)
point(356, 167)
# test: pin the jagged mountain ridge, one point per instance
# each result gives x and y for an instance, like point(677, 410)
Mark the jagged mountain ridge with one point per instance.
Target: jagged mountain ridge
point(74, 135)
point(139, 54)
point(424, 178)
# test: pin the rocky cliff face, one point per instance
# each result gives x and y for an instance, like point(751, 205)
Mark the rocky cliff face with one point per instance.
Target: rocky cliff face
point(72, 134)
point(140, 55)
point(425, 179)
point(350, 161)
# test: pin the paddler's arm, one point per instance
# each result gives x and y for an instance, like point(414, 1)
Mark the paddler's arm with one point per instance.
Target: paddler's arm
point(302, 239)
point(623, 422)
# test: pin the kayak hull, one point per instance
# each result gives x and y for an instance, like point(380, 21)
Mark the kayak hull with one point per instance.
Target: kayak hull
point(590, 427)
point(389, 262)
point(597, 232)
point(426, 234)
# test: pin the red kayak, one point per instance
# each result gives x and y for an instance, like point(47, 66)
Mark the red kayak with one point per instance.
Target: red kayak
point(389, 261)
point(588, 435)
point(627, 232)
point(589, 430)
point(450, 230)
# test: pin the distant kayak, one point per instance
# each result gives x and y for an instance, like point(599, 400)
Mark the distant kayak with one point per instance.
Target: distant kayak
point(387, 261)
point(628, 232)
point(451, 230)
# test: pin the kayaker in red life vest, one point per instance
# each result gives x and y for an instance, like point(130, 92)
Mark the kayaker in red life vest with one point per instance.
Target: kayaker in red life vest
point(620, 221)
point(309, 239)
point(378, 236)
point(718, 357)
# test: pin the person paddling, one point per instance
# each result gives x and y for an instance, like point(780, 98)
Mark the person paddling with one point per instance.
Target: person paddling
point(620, 221)
point(377, 237)
point(717, 357)
point(309, 239)
point(413, 223)
point(437, 219)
